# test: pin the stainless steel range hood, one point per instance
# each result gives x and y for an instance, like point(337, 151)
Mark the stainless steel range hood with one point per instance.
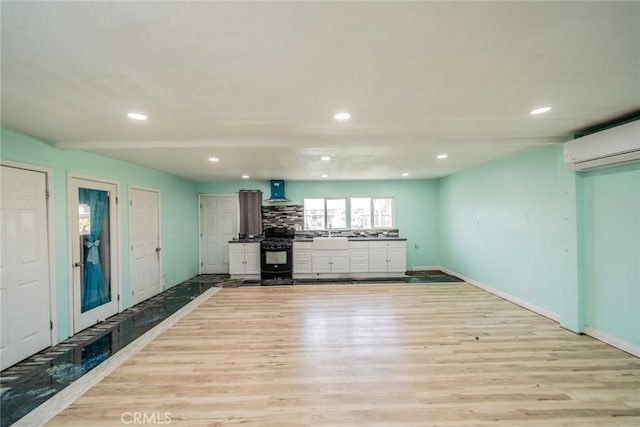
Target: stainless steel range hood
point(277, 191)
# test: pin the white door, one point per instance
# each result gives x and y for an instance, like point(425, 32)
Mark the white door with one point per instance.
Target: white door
point(218, 225)
point(93, 225)
point(25, 313)
point(144, 235)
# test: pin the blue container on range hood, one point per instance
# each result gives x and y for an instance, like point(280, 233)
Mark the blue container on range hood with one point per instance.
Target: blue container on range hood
point(277, 191)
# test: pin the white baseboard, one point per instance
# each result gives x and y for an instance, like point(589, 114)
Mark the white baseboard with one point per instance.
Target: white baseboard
point(613, 341)
point(425, 267)
point(522, 303)
point(345, 276)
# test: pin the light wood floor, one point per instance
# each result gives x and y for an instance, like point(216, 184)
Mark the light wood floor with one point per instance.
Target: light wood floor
point(394, 355)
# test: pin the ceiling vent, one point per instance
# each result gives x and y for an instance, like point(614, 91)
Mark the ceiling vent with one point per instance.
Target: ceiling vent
point(277, 191)
point(613, 146)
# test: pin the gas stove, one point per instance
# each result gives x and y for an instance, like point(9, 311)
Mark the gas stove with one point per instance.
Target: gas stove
point(276, 256)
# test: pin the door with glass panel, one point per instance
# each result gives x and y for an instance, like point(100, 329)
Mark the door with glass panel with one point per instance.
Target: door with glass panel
point(94, 251)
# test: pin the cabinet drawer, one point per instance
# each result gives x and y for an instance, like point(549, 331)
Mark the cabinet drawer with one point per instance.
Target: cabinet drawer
point(358, 245)
point(302, 255)
point(302, 267)
point(397, 245)
point(302, 245)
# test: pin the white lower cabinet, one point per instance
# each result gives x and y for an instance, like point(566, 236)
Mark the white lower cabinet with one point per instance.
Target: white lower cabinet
point(302, 257)
point(358, 257)
point(362, 257)
point(397, 257)
point(244, 258)
point(330, 261)
point(387, 257)
point(378, 257)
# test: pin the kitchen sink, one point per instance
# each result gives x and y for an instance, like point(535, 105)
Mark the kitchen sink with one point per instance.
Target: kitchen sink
point(330, 243)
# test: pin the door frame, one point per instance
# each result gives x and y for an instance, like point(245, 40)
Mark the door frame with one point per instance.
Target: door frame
point(154, 190)
point(200, 195)
point(117, 233)
point(48, 172)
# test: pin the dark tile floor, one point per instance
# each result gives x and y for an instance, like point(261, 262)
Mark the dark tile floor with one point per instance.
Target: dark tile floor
point(29, 383)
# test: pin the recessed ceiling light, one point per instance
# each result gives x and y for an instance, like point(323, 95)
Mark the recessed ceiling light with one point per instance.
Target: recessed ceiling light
point(137, 116)
point(324, 176)
point(325, 158)
point(214, 159)
point(405, 174)
point(342, 116)
point(245, 176)
point(540, 110)
point(442, 156)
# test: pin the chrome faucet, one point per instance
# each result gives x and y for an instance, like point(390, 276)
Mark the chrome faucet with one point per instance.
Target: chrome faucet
point(329, 229)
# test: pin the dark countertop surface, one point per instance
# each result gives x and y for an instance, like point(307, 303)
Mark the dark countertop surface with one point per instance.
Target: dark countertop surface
point(356, 239)
point(310, 239)
point(375, 239)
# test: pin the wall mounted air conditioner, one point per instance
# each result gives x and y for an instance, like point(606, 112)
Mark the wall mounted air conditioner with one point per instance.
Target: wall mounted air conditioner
point(620, 144)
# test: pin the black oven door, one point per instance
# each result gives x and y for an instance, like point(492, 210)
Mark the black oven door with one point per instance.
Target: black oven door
point(276, 263)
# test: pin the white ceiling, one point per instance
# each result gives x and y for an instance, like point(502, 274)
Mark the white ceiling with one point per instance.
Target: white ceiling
point(257, 84)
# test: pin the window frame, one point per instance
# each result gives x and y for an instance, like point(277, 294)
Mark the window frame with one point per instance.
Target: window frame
point(347, 220)
point(370, 213)
point(393, 212)
point(348, 213)
point(304, 208)
point(326, 217)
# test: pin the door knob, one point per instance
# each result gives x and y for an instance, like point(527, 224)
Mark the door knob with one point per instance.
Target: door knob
point(158, 249)
point(78, 264)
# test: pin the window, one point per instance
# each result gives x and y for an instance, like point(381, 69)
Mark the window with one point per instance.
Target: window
point(84, 217)
point(336, 213)
point(366, 213)
point(361, 212)
point(320, 214)
point(369, 212)
point(314, 214)
point(382, 213)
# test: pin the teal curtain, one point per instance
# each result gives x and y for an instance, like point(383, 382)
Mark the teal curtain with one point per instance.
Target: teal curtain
point(94, 289)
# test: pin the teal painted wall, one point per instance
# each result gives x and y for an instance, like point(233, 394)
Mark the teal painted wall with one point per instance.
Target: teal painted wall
point(611, 263)
point(415, 200)
point(179, 213)
point(522, 222)
point(511, 225)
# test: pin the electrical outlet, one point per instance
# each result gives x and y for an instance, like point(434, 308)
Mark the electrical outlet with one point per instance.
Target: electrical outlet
point(416, 246)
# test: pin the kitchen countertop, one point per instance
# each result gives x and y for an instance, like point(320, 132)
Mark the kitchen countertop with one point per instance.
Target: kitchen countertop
point(376, 239)
point(355, 239)
point(310, 239)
